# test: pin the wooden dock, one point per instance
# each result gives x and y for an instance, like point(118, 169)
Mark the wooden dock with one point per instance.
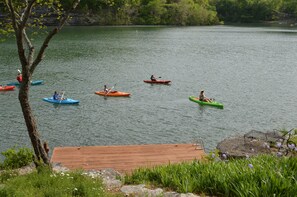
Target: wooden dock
point(125, 158)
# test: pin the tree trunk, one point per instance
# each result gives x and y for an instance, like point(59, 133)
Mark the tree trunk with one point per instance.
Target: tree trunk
point(19, 22)
point(40, 153)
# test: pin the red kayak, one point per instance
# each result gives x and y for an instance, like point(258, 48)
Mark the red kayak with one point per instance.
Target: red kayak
point(157, 81)
point(6, 88)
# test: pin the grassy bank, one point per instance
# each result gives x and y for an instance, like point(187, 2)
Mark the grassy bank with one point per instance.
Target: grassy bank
point(50, 184)
point(264, 175)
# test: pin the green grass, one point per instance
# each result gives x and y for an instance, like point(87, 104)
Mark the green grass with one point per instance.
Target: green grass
point(45, 183)
point(264, 175)
point(294, 139)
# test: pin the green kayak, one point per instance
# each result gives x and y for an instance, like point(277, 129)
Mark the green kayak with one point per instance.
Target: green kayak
point(213, 103)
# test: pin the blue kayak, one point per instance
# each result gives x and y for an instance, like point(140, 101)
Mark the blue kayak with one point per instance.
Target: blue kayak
point(65, 101)
point(33, 83)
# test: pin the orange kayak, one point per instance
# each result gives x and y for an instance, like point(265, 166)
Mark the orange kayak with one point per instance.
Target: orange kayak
point(6, 88)
point(113, 93)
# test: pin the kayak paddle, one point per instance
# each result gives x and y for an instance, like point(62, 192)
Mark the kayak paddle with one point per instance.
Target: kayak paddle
point(110, 89)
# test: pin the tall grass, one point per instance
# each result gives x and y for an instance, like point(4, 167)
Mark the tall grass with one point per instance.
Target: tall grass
point(263, 175)
point(45, 183)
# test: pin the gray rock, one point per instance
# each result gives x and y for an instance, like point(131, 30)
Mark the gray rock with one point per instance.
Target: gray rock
point(129, 190)
point(175, 194)
point(188, 195)
point(140, 190)
point(57, 167)
point(112, 184)
point(109, 176)
point(171, 194)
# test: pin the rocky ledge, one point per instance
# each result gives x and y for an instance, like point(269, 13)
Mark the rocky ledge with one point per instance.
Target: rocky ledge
point(257, 142)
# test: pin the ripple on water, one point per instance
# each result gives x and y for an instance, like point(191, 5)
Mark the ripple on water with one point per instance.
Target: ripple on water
point(245, 68)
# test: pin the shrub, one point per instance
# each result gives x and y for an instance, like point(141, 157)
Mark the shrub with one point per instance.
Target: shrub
point(16, 158)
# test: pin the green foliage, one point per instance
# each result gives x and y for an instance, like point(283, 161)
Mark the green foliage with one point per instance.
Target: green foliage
point(47, 183)
point(189, 12)
point(183, 12)
point(170, 12)
point(255, 10)
point(294, 139)
point(6, 175)
point(264, 175)
point(16, 158)
point(289, 8)
point(152, 12)
point(212, 155)
point(42, 9)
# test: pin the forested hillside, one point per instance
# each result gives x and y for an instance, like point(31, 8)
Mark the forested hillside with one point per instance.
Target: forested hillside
point(188, 12)
point(150, 12)
point(256, 10)
point(182, 12)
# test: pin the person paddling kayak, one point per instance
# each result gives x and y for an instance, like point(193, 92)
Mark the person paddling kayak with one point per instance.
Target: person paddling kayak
point(56, 96)
point(19, 77)
point(105, 89)
point(153, 78)
point(202, 97)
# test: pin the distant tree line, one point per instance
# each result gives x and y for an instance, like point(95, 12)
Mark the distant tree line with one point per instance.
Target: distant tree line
point(187, 12)
point(256, 10)
point(184, 12)
point(150, 12)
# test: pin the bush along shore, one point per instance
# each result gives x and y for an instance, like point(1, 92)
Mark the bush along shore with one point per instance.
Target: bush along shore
point(218, 174)
point(264, 175)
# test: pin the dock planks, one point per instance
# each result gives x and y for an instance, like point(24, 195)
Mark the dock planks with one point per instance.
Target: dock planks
point(125, 158)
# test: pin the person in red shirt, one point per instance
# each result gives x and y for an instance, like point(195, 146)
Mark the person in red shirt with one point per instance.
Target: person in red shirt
point(19, 77)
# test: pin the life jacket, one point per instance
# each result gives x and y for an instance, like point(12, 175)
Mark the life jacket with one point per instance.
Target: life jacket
point(20, 78)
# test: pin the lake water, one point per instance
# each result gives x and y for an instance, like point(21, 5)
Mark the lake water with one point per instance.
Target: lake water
point(251, 70)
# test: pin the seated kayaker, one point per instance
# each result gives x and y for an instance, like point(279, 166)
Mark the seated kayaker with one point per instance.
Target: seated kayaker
point(56, 96)
point(153, 78)
point(19, 77)
point(202, 97)
point(105, 89)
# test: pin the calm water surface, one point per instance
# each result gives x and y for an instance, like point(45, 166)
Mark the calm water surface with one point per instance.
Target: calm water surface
point(251, 70)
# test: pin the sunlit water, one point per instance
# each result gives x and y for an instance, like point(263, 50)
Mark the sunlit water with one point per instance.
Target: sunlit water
point(251, 70)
